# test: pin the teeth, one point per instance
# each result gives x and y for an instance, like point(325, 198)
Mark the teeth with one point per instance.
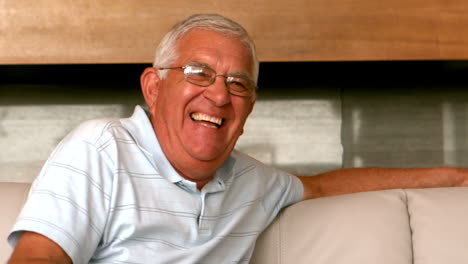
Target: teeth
point(207, 118)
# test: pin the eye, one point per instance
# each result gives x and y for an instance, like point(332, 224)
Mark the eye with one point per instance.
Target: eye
point(238, 86)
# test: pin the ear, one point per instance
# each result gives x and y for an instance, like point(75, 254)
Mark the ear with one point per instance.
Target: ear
point(149, 81)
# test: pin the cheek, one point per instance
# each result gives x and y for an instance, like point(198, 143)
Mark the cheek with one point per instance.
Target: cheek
point(169, 97)
point(174, 103)
point(243, 114)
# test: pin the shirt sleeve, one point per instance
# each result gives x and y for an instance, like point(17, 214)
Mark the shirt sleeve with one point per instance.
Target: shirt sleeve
point(69, 200)
point(282, 190)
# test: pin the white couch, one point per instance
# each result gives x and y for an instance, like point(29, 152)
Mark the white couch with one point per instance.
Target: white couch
point(395, 226)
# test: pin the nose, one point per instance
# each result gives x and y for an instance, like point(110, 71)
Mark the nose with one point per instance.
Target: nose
point(217, 92)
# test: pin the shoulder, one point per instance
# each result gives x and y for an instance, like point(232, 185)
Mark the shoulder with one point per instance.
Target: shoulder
point(243, 160)
point(131, 130)
point(243, 164)
point(89, 140)
point(277, 187)
point(94, 131)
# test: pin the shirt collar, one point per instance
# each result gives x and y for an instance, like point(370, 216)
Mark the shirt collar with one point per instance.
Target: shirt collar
point(139, 125)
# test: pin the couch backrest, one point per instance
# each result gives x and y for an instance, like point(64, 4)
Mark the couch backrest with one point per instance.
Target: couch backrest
point(421, 226)
point(12, 198)
point(426, 226)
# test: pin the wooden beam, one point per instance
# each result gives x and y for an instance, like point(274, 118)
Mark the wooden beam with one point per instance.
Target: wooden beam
point(122, 31)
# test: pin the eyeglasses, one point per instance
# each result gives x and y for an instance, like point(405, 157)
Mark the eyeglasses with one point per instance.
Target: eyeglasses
point(204, 76)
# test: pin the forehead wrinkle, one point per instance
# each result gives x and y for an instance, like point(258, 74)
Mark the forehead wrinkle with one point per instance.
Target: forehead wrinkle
point(193, 44)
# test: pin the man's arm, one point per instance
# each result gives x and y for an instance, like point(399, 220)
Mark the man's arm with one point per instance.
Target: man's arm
point(372, 179)
point(38, 249)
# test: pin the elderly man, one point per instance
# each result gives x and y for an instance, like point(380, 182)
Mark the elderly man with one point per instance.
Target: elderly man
point(165, 185)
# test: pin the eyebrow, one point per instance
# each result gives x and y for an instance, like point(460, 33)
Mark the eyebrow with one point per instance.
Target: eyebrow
point(196, 63)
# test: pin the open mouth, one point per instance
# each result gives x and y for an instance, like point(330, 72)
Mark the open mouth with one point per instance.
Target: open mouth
point(207, 120)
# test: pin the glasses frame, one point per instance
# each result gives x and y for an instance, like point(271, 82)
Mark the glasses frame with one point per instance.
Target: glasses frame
point(213, 79)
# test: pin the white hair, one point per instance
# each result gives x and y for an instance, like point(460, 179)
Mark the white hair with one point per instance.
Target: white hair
point(166, 51)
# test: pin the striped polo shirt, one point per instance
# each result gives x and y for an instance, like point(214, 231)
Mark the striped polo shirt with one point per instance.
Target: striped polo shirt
point(107, 194)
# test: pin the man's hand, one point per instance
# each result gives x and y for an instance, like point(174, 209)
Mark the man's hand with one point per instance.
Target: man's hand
point(35, 248)
point(372, 179)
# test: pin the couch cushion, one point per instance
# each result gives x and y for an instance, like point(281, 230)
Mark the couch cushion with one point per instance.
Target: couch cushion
point(359, 228)
point(439, 221)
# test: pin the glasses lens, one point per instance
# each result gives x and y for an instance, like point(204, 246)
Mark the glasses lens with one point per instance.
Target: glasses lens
point(199, 75)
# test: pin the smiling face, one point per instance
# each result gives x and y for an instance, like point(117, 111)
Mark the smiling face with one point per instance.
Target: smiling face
point(198, 127)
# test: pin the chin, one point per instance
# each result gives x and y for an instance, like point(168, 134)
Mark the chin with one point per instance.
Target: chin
point(215, 156)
